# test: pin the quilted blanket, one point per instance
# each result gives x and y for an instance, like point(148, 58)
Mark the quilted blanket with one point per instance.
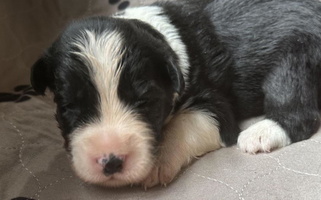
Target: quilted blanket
point(34, 165)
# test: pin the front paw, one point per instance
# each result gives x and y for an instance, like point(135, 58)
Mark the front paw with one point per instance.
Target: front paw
point(263, 136)
point(162, 173)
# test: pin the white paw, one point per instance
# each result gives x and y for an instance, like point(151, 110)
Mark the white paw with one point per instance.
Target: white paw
point(262, 136)
point(162, 174)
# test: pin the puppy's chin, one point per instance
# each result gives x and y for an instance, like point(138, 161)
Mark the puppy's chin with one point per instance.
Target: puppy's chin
point(132, 143)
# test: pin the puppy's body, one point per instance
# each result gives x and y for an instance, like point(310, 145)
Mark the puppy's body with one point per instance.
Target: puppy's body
point(142, 93)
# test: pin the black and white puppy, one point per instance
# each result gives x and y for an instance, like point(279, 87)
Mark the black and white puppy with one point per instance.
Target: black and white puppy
point(142, 93)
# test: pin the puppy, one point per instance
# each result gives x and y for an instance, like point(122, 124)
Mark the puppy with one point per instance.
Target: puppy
point(142, 93)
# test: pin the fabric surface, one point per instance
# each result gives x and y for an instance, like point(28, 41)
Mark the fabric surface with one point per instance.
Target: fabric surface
point(33, 163)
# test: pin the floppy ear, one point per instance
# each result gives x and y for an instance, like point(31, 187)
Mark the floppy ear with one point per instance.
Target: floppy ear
point(41, 75)
point(176, 77)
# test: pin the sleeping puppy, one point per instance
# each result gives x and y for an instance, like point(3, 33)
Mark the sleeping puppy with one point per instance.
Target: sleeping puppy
point(142, 93)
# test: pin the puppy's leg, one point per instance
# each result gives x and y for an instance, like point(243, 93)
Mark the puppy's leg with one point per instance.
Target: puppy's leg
point(188, 135)
point(291, 107)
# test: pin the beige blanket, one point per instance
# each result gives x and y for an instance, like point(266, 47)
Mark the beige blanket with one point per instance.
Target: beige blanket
point(34, 164)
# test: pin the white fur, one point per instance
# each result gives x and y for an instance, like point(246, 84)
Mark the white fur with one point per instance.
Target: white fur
point(188, 135)
point(118, 130)
point(153, 15)
point(263, 136)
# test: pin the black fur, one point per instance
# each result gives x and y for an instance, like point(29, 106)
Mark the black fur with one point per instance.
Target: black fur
point(275, 48)
point(150, 75)
point(247, 58)
point(148, 80)
point(52, 70)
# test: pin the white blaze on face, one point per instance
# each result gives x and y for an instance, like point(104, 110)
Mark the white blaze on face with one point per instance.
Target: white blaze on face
point(118, 130)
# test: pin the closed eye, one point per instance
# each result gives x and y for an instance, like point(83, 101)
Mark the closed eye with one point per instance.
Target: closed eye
point(140, 103)
point(69, 106)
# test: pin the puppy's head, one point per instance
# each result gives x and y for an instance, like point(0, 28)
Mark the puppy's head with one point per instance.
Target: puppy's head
point(114, 82)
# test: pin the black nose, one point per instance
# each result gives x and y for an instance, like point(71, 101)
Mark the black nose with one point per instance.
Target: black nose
point(113, 165)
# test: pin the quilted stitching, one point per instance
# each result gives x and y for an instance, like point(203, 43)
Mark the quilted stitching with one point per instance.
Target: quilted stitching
point(33, 163)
